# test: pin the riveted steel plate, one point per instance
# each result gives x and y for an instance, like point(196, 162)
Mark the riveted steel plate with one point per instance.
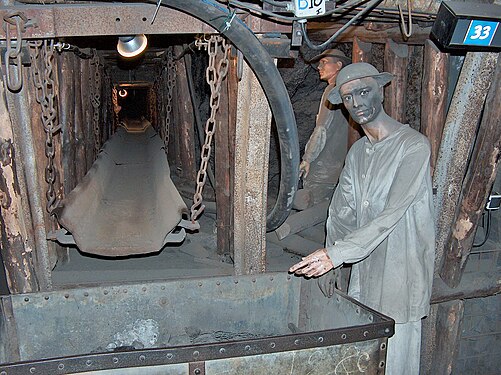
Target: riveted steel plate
point(196, 320)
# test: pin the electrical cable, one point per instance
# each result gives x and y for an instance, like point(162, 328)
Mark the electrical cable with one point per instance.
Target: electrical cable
point(487, 230)
point(310, 44)
point(253, 8)
point(281, 4)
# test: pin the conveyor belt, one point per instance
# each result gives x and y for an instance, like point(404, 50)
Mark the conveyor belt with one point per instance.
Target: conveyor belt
point(127, 203)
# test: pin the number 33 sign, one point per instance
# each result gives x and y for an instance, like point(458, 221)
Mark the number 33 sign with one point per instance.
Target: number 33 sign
point(480, 33)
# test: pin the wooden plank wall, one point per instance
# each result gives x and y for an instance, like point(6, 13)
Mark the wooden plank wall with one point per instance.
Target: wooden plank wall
point(74, 153)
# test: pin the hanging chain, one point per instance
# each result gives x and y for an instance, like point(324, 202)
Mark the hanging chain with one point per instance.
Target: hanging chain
point(12, 56)
point(215, 73)
point(96, 101)
point(116, 109)
point(42, 55)
point(171, 81)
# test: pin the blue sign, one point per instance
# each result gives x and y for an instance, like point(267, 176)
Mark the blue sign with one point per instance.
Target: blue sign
point(480, 33)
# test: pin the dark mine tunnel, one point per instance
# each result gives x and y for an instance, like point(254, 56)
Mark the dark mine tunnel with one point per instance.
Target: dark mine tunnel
point(154, 196)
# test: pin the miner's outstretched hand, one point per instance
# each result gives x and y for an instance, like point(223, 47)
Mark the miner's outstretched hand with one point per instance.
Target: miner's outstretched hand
point(314, 265)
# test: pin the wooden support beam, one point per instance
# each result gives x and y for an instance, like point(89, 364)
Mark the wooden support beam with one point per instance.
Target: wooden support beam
point(473, 285)
point(369, 32)
point(434, 96)
point(79, 144)
point(184, 121)
point(224, 158)
point(448, 334)
point(66, 119)
point(252, 141)
point(396, 59)
point(15, 237)
point(457, 141)
point(32, 192)
point(477, 185)
point(362, 52)
point(86, 73)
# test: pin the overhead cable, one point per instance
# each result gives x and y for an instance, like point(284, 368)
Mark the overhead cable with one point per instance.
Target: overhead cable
point(325, 44)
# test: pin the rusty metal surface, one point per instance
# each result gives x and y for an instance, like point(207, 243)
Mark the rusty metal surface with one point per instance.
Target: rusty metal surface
point(195, 320)
point(127, 203)
point(65, 20)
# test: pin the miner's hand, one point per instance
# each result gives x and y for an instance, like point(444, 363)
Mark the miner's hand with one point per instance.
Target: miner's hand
point(314, 265)
point(304, 169)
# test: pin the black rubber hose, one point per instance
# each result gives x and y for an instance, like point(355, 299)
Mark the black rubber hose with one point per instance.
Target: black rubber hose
point(216, 15)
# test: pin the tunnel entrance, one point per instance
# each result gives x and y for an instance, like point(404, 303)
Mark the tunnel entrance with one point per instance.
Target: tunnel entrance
point(111, 111)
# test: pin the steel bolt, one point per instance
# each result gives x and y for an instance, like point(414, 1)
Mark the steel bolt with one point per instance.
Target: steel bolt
point(115, 360)
point(26, 299)
point(196, 353)
point(32, 370)
point(296, 342)
point(343, 336)
point(170, 356)
point(222, 350)
point(272, 345)
point(60, 366)
point(88, 362)
point(142, 358)
point(197, 371)
point(320, 339)
point(247, 347)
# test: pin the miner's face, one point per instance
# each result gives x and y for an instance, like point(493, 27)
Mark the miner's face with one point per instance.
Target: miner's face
point(363, 98)
point(328, 68)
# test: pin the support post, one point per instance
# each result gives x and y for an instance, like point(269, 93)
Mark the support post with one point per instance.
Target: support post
point(20, 108)
point(477, 185)
point(224, 159)
point(16, 244)
point(79, 144)
point(87, 77)
point(251, 175)
point(66, 119)
point(434, 97)
point(362, 52)
point(448, 333)
point(457, 141)
point(184, 121)
point(396, 58)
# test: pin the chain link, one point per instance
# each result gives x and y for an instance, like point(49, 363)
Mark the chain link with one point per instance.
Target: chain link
point(42, 56)
point(215, 74)
point(171, 81)
point(96, 101)
point(116, 109)
point(12, 56)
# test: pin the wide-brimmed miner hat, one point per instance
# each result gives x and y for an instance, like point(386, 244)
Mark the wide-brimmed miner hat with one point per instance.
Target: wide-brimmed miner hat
point(331, 53)
point(357, 71)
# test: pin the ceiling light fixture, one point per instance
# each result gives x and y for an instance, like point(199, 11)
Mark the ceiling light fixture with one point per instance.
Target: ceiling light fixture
point(123, 93)
point(132, 45)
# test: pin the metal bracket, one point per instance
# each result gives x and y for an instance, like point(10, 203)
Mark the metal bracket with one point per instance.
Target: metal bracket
point(62, 236)
point(297, 34)
point(197, 368)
